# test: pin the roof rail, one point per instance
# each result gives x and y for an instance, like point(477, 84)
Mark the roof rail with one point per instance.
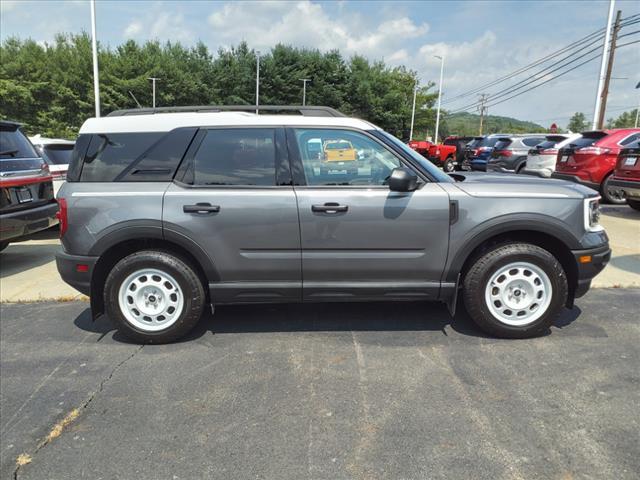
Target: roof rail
point(307, 111)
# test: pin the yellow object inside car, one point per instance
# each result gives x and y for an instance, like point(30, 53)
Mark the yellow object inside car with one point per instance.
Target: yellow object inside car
point(339, 151)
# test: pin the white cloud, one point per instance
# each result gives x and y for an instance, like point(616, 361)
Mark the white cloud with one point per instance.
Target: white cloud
point(133, 29)
point(308, 24)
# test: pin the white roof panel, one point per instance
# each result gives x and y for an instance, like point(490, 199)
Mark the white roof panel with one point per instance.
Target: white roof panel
point(164, 122)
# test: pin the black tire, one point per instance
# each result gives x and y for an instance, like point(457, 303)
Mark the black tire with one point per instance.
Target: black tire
point(3, 245)
point(448, 165)
point(486, 265)
point(611, 195)
point(184, 275)
point(635, 204)
point(520, 168)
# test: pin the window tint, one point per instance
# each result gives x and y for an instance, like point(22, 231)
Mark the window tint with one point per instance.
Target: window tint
point(450, 141)
point(110, 154)
point(532, 141)
point(242, 156)
point(489, 142)
point(363, 162)
point(58, 154)
point(14, 144)
point(502, 144)
point(77, 157)
point(630, 139)
point(583, 142)
point(476, 142)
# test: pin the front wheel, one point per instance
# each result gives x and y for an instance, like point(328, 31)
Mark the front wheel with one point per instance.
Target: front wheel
point(448, 165)
point(154, 296)
point(611, 194)
point(515, 290)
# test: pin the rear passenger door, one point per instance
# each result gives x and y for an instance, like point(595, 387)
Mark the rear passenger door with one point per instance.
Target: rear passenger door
point(233, 196)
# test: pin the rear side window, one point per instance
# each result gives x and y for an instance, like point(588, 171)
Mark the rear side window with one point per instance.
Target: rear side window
point(58, 154)
point(584, 142)
point(532, 141)
point(502, 144)
point(237, 156)
point(450, 141)
point(134, 157)
point(14, 144)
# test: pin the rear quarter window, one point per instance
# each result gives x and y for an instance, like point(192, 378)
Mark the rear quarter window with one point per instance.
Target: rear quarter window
point(14, 144)
point(532, 141)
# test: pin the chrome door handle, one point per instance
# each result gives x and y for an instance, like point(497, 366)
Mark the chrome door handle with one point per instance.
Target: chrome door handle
point(329, 207)
point(205, 208)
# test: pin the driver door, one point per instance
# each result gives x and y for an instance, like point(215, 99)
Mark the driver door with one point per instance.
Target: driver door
point(359, 239)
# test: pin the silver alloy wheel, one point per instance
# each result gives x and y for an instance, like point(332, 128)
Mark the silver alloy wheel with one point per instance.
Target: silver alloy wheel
point(150, 299)
point(518, 293)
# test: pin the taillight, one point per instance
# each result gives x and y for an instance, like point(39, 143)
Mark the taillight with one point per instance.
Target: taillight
point(502, 153)
point(594, 150)
point(61, 215)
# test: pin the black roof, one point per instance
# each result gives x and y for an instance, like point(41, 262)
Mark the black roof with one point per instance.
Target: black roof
point(305, 110)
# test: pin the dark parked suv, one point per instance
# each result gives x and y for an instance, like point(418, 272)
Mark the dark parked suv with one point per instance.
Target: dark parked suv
point(509, 154)
point(166, 212)
point(27, 204)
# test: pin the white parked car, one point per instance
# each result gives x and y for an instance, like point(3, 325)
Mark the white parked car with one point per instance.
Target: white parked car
point(57, 153)
point(541, 159)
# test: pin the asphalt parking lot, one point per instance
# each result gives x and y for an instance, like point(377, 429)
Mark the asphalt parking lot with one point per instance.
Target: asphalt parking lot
point(336, 391)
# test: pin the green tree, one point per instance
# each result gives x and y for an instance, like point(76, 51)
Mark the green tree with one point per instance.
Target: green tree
point(577, 123)
point(625, 120)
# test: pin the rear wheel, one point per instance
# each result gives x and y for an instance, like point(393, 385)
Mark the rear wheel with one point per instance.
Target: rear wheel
point(635, 204)
point(611, 194)
point(448, 165)
point(154, 296)
point(515, 290)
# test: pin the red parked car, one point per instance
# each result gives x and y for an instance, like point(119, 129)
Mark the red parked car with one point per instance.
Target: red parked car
point(591, 160)
point(627, 174)
point(449, 154)
point(420, 146)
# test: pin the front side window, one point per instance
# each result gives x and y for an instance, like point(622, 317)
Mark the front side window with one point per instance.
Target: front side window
point(241, 156)
point(343, 157)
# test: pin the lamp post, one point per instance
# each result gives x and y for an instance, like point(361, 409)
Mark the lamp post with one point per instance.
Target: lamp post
point(413, 108)
point(153, 82)
point(94, 49)
point(257, 80)
point(439, 96)
point(304, 90)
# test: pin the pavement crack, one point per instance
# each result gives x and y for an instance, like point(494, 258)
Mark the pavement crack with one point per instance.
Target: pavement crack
point(69, 418)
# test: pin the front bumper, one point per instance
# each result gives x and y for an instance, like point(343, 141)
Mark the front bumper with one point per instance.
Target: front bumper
point(25, 222)
point(68, 270)
point(575, 179)
point(598, 259)
point(630, 189)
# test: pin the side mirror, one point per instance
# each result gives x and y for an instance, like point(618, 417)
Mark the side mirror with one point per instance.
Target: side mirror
point(403, 180)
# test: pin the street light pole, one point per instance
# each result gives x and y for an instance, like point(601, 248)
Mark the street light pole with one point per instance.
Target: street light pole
point(94, 48)
point(413, 108)
point(439, 97)
point(153, 82)
point(304, 90)
point(603, 66)
point(257, 81)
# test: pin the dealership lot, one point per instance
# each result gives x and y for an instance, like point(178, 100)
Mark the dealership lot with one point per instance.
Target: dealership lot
point(323, 392)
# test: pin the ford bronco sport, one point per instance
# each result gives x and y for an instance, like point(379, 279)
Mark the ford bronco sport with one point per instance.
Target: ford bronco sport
point(168, 210)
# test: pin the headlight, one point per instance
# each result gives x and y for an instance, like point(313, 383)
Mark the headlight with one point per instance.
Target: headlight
point(592, 214)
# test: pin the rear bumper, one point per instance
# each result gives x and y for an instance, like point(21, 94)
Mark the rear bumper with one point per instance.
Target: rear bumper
point(575, 179)
point(14, 226)
point(68, 270)
point(600, 256)
point(630, 189)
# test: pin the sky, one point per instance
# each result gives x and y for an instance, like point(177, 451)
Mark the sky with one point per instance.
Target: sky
point(481, 41)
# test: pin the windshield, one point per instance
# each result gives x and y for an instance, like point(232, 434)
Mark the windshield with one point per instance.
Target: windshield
point(423, 162)
point(14, 144)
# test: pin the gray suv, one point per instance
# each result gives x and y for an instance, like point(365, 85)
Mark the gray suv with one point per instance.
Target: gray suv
point(510, 152)
point(164, 212)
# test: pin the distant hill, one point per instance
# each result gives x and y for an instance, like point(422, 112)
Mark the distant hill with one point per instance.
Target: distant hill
point(467, 124)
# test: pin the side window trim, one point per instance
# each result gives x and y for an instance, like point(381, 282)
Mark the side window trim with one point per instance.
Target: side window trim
point(282, 170)
point(297, 168)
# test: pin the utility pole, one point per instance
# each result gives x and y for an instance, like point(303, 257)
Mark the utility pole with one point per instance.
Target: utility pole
point(439, 97)
point(94, 49)
point(304, 90)
point(607, 78)
point(413, 109)
point(153, 82)
point(257, 81)
point(483, 109)
point(603, 65)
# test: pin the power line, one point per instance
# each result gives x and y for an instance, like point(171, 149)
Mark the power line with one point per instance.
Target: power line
point(578, 43)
